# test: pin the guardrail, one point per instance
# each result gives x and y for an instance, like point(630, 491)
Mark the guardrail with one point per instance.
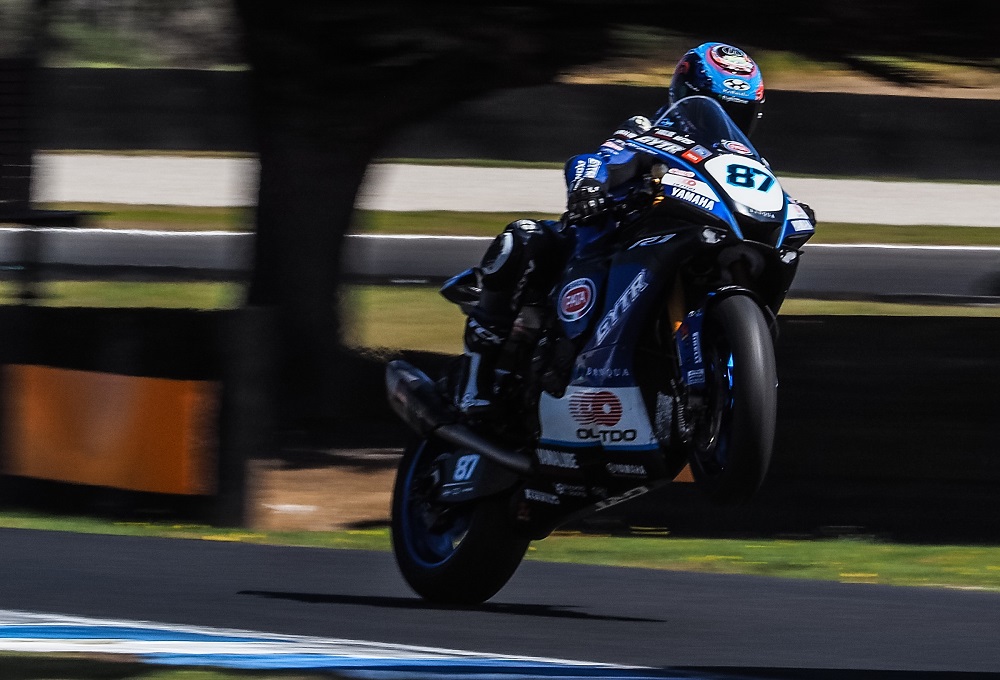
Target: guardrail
point(921, 273)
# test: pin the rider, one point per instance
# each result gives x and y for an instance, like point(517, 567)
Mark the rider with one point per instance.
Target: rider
point(521, 264)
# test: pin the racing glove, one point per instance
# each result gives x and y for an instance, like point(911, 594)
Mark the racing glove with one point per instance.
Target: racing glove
point(586, 199)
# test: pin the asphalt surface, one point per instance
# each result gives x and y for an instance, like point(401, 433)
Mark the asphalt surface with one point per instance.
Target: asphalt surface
point(616, 615)
point(844, 271)
point(232, 181)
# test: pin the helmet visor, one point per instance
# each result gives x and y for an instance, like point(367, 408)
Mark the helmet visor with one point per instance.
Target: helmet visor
point(744, 114)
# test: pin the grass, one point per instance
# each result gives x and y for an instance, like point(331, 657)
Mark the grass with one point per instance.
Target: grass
point(160, 217)
point(451, 223)
point(211, 295)
point(849, 560)
point(417, 317)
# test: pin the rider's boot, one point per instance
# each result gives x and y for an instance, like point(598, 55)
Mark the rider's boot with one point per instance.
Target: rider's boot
point(482, 349)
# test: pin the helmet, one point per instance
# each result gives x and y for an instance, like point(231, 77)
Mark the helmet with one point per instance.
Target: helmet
point(726, 74)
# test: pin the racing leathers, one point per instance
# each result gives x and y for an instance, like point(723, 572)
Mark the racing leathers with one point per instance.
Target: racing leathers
point(524, 261)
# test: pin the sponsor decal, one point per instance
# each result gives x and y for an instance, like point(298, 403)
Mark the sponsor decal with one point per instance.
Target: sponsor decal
point(762, 213)
point(731, 60)
point(560, 425)
point(606, 436)
point(455, 490)
point(626, 469)
point(622, 133)
point(657, 143)
point(802, 225)
point(615, 500)
point(674, 136)
point(622, 305)
point(693, 198)
point(586, 168)
point(571, 490)
point(696, 154)
point(606, 372)
point(541, 497)
point(736, 84)
point(559, 459)
point(651, 241)
point(614, 146)
point(576, 299)
point(696, 377)
point(464, 467)
point(601, 408)
point(682, 173)
point(696, 347)
point(694, 185)
point(736, 147)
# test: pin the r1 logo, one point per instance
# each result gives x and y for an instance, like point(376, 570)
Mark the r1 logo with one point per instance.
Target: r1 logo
point(464, 467)
point(746, 177)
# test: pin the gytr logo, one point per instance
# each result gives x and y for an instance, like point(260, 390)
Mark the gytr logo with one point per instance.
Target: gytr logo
point(621, 305)
point(596, 408)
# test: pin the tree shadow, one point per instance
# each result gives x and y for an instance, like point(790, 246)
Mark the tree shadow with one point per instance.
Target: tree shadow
point(537, 610)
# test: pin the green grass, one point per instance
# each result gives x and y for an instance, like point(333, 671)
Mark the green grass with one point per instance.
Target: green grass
point(417, 317)
point(850, 559)
point(402, 317)
point(443, 222)
point(451, 223)
point(161, 218)
point(391, 317)
point(201, 295)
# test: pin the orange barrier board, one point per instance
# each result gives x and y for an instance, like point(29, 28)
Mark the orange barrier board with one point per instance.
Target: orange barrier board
point(126, 432)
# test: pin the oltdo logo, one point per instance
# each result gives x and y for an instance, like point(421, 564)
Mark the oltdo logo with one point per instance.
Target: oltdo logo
point(595, 408)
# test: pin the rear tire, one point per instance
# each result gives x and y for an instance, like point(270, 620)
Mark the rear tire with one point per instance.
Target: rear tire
point(458, 554)
point(733, 438)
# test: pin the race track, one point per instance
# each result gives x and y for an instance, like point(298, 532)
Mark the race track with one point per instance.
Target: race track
point(632, 616)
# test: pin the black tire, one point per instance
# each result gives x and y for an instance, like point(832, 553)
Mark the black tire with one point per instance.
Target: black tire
point(734, 436)
point(458, 554)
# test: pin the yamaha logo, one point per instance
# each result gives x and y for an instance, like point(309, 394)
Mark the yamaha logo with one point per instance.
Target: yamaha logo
point(736, 84)
point(576, 299)
point(596, 408)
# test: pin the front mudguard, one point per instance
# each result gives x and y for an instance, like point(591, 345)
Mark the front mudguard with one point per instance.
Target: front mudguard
point(720, 294)
point(688, 335)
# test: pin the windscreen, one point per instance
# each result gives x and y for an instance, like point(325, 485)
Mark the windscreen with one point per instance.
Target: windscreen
point(704, 120)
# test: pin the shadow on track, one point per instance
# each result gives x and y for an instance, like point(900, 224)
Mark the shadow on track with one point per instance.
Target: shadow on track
point(415, 603)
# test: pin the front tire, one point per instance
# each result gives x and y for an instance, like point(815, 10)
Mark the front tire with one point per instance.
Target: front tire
point(734, 434)
point(458, 554)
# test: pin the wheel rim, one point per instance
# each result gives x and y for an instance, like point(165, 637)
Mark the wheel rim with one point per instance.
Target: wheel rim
point(431, 531)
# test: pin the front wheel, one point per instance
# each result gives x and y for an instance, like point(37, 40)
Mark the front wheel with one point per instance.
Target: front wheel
point(734, 430)
point(451, 553)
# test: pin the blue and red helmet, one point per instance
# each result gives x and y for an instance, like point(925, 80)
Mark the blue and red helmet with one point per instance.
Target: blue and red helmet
point(726, 74)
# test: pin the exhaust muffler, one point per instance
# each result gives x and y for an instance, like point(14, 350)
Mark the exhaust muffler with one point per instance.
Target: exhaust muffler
point(413, 397)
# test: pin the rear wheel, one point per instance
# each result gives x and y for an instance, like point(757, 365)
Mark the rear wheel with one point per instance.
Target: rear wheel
point(734, 433)
point(453, 553)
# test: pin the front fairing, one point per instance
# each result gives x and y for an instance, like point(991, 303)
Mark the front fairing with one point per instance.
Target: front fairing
point(710, 171)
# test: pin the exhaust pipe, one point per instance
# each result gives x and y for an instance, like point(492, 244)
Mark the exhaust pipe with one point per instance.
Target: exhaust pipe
point(413, 398)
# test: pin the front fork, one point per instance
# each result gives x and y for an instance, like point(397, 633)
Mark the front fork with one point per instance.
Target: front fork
point(688, 381)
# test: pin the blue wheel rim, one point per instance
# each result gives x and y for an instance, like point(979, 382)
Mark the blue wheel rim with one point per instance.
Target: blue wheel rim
point(427, 547)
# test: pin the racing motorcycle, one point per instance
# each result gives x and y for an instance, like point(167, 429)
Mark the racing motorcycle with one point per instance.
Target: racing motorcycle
point(655, 351)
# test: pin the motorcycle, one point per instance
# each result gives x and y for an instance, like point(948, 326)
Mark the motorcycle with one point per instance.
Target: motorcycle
point(654, 352)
